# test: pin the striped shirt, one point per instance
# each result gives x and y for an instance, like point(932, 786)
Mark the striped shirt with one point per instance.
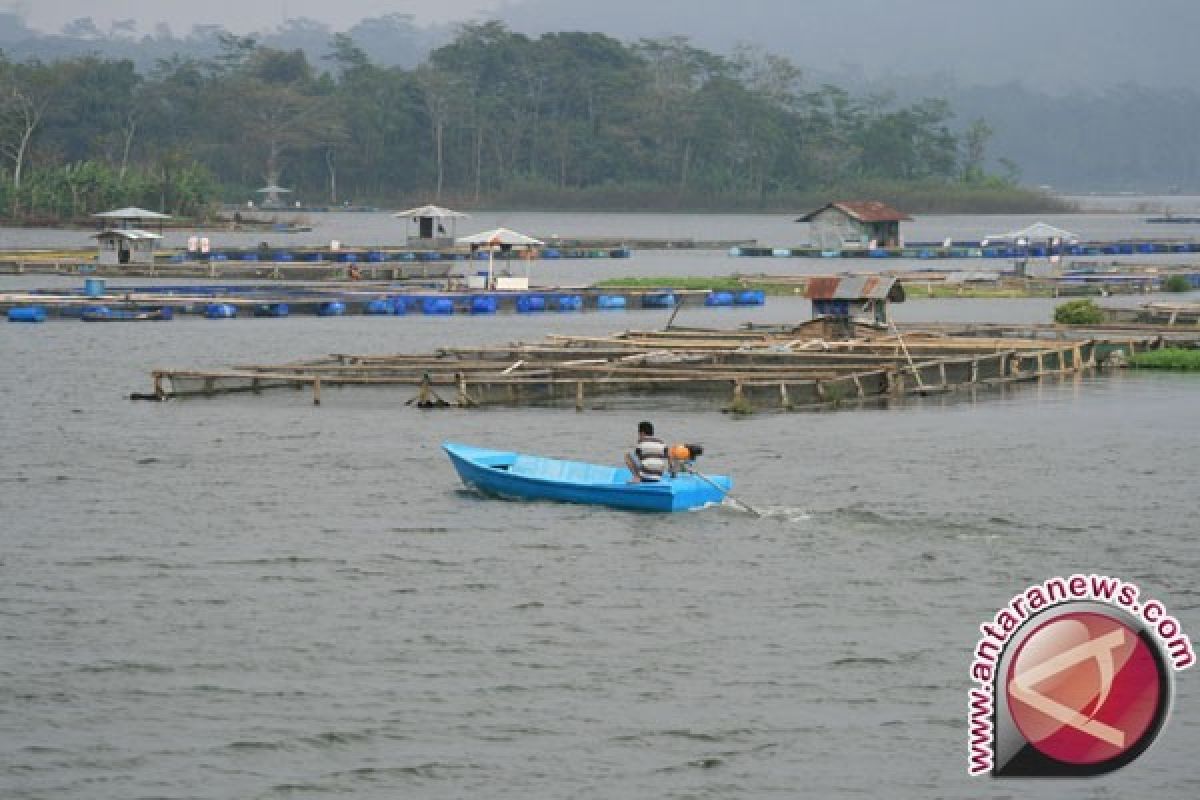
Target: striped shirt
point(651, 455)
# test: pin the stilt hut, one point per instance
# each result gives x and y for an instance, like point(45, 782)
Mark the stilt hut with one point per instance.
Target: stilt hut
point(125, 246)
point(845, 302)
point(431, 225)
point(124, 240)
point(857, 225)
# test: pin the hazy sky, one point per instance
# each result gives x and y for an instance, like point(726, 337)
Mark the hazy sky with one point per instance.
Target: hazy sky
point(237, 15)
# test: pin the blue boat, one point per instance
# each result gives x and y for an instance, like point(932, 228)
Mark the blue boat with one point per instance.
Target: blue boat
point(106, 314)
point(526, 477)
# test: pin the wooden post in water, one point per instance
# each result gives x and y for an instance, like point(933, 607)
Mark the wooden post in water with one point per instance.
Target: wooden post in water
point(464, 399)
point(316, 383)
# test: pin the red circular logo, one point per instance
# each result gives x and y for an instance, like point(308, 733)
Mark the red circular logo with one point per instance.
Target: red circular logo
point(1084, 688)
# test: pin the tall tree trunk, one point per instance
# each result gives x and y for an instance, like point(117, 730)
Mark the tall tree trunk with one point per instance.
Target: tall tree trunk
point(130, 131)
point(439, 138)
point(684, 164)
point(478, 161)
point(331, 165)
point(20, 159)
point(273, 163)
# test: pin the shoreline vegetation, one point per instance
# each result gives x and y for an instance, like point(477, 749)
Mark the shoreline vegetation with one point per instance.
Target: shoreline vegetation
point(494, 118)
point(1169, 358)
point(918, 198)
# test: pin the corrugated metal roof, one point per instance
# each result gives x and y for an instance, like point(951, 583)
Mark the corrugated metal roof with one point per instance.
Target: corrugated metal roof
point(131, 234)
point(855, 287)
point(861, 210)
point(131, 213)
point(434, 212)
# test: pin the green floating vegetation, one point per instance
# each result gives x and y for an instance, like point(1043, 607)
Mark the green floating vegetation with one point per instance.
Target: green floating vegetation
point(1177, 283)
point(1078, 312)
point(917, 289)
point(1167, 358)
point(727, 283)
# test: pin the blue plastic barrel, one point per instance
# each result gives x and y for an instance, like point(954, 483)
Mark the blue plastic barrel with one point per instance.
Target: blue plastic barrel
point(379, 306)
point(719, 299)
point(611, 302)
point(93, 287)
point(437, 306)
point(568, 302)
point(658, 300)
point(333, 308)
point(483, 304)
point(620, 252)
point(220, 311)
point(27, 314)
point(531, 303)
point(750, 297)
point(376, 256)
point(271, 310)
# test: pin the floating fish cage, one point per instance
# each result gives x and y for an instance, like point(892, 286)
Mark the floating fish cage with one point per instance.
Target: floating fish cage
point(976, 249)
point(276, 301)
point(743, 371)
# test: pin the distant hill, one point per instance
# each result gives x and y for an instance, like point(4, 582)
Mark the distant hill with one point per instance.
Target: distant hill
point(1081, 94)
point(1050, 45)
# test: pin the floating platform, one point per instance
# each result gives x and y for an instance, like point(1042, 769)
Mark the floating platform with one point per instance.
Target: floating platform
point(127, 302)
point(976, 249)
point(740, 371)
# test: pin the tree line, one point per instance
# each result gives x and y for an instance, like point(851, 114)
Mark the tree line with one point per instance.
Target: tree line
point(493, 116)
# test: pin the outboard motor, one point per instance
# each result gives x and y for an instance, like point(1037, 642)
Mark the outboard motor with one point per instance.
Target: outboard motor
point(686, 453)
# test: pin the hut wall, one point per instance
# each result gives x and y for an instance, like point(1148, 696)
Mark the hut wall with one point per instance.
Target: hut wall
point(107, 252)
point(832, 229)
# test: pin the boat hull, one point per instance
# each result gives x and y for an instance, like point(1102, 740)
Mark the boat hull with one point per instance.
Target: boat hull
point(123, 315)
point(517, 476)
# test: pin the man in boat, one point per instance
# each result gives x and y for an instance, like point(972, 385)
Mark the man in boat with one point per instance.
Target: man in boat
point(650, 459)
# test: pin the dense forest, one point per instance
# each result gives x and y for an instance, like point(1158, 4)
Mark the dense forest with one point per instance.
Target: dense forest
point(491, 117)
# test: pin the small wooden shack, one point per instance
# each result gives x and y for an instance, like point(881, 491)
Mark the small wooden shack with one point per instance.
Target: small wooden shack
point(123, 240)
point(126, 246)
point(857, 225)
point(850, 300)
point(431, 225)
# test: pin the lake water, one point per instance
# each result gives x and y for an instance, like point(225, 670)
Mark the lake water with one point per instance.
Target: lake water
point(253, 597)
